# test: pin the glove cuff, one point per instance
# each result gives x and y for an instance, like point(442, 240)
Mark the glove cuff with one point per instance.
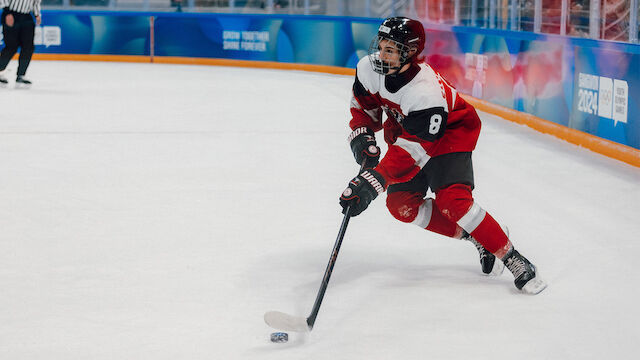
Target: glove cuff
point(374, 179)
point(363, 130)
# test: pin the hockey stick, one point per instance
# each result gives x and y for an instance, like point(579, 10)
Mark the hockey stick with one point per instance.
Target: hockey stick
point(286, 322)
point(281, 321)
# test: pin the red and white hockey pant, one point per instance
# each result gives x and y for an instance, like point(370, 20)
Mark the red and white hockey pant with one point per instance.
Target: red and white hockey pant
point(452, 210)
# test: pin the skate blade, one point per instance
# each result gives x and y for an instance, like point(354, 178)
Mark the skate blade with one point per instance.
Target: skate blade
point(534, 286)
point(22, 86)
point(498, 269)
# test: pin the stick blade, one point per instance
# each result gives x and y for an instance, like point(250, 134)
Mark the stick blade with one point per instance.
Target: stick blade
point(281, 321)
point(534, 286)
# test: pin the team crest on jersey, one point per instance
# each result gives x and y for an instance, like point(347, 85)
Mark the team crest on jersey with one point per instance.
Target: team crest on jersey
point(393, 113)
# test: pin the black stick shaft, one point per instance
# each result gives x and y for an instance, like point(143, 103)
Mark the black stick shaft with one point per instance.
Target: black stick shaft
point(327, 274)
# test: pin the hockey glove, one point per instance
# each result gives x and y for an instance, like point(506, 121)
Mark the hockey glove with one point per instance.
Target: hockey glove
point(364, 147)
point(428, 124)
point(361, 191)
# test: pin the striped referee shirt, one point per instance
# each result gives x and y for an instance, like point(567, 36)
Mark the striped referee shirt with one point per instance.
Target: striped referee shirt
point(22, 6)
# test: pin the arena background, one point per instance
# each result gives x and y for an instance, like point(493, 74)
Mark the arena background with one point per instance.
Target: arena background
point(587, 85)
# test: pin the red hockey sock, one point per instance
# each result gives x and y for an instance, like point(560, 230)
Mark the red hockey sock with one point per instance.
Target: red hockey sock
point(411, 207)
point(457, 205)
point(492, 237)
point(441, 225)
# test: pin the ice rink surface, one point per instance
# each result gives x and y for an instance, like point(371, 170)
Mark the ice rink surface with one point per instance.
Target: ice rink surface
point(156, 212)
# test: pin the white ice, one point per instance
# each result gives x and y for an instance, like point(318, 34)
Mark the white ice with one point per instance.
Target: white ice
point(158, 211)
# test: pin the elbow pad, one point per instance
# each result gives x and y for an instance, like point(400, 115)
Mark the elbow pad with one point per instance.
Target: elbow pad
point(428, 124)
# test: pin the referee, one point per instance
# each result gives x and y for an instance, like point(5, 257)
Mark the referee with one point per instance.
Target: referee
point(18, 29)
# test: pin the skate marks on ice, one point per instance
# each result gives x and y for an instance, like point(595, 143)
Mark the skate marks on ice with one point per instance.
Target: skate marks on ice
point(379, 278)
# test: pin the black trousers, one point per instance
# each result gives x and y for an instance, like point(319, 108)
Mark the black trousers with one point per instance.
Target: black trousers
point(20, 35)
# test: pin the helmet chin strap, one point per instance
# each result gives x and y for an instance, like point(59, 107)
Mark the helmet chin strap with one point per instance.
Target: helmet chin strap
point(397, 68)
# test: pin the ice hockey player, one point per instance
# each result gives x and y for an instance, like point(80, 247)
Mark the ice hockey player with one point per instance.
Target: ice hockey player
point(431, 132)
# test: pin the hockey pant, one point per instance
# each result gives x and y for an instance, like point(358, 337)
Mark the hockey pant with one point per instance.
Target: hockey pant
point(452, 210)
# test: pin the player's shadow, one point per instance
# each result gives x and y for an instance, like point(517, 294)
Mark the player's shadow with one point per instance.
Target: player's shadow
point(381, 269)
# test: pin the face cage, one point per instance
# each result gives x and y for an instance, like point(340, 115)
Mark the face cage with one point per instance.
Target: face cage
point(383, 67)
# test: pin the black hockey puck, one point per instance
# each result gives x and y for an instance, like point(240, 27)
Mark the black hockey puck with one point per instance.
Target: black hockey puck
point(279, 337)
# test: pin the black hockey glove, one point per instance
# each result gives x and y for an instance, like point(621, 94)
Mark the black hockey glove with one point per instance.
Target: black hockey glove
point(428, 124)
point(364, 147)
point(361, 191)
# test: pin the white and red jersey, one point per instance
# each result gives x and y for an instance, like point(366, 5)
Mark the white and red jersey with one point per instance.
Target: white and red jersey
point(418, 90)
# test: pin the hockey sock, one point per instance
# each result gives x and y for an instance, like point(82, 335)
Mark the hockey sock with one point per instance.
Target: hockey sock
point(411, 207)
point(441, 225)
point(490, 235)
point(457, 204)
